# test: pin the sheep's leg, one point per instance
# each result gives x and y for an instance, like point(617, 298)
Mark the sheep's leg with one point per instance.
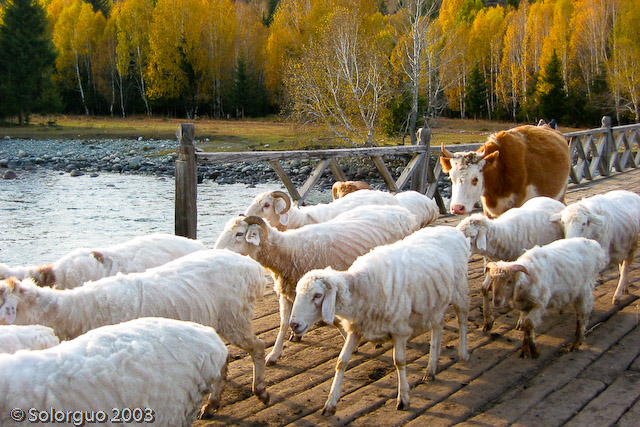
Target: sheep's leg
point(486, 305)
point(434, 352)
point(285, 313)
point(583, 307)
point(462, 313)
point(255, 347)
point(349, 346)
point(400, 361)
point(624, 267)
point(529, 347)
point(213, 401)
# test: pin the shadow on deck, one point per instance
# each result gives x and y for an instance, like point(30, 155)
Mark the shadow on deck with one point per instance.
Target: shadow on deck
point(597, 385)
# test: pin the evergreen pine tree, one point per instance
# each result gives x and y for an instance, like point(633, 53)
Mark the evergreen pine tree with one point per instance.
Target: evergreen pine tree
point(27, 57)
point(476, 94)
point(248, 97)
point(553, 98)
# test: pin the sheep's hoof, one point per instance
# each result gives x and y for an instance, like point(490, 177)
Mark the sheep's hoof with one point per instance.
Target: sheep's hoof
point(295, 338)
point(329, 409)
point(428, 377)
point(263, 396)
point(207, 411)
point(401, 406)
point(271, 359)
point(487, 326)
point(616, 301)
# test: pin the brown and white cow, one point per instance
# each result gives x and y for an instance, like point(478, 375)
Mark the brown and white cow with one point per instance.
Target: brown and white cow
point(512, 167)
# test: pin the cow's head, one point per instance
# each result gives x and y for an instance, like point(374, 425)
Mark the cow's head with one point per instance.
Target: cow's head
point(467, 179)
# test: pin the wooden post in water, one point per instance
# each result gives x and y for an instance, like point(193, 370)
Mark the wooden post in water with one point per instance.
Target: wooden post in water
point(186, 215)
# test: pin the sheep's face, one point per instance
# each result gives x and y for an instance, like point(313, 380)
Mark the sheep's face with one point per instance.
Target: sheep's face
point(271, 208)
point(8, 301)
point(313, 299)
point(474, 229)
point(503, 278)
point(578, 221)
point(240, 237)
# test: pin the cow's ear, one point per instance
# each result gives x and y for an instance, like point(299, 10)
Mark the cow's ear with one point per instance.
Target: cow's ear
point(490, 158)
point(446, 164)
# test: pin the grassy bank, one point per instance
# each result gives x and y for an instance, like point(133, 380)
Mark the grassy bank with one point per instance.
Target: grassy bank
point(230, 135)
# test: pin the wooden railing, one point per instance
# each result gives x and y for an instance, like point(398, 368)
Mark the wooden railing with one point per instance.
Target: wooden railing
point(594, 152)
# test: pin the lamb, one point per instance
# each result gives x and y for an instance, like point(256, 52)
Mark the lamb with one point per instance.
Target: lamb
point(159, 368)
point(613, 220)
point(508, 236)
point(342, 188)
point(562, 272)
point(290, 254)
point(32, 337)
point(276, 208)
point(213, 287)
point(84, 264)
point(394, 292)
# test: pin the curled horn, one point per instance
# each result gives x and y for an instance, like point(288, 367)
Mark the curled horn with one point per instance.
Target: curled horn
point(251, 220)
point(286, 198)
point(446, 153)
point(519, 267)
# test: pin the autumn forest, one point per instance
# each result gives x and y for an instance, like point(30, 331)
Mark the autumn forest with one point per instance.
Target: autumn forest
point(363, 67)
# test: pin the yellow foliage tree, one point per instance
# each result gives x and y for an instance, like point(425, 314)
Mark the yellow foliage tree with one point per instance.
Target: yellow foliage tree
point(559, 37)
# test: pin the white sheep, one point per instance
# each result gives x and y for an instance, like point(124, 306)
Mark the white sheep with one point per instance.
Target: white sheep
point(85, 264)
point(560, 273)
point(214, 287)
point(508, 236)
point(27, 337)
point(290, 254)
point(158, 368)
point(276, 207)
point(613, 220)
point(394, 292)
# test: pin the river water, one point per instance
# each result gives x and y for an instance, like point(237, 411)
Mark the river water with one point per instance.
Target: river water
point(46, 214)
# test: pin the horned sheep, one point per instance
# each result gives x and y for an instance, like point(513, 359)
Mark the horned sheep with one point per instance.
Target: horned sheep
point(560, 273)
point(151, 370)
point(213, 287)
point(394, 292)
point(342, 188)
point(613, 220)
point(290, 254)
point(508, 236)
point(85, 264)
point(27, 337)
point(276, 207)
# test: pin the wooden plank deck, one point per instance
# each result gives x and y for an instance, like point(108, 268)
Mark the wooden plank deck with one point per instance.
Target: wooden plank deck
point(597, 385)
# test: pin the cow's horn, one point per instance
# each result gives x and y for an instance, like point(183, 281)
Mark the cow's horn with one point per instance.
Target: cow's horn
point(286, 199)
point(446, 153)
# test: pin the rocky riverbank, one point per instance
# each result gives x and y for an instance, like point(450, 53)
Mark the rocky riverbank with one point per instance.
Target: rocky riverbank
point(157, 158)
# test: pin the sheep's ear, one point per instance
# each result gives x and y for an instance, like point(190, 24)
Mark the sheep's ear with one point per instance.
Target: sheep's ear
point(8, 310)
point(279, 204)
point(284, 218)
point(253, 234)
point(597, 219)
point(556, 217)
point(481, 240)
point(329, 306)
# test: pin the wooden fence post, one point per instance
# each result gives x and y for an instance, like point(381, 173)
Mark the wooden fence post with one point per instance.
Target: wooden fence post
point(186, 215)
point(610, 145)
point(419, 178)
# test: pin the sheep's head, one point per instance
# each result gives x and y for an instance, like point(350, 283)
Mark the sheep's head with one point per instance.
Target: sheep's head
point(503, 279)
point(315, 299)
point(8, 300)
point(475, 228)
point(578, 221)
point(243, 235)
point(273, 206)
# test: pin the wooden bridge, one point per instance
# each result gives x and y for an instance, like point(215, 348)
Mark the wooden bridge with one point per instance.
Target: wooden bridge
point(597, 385)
